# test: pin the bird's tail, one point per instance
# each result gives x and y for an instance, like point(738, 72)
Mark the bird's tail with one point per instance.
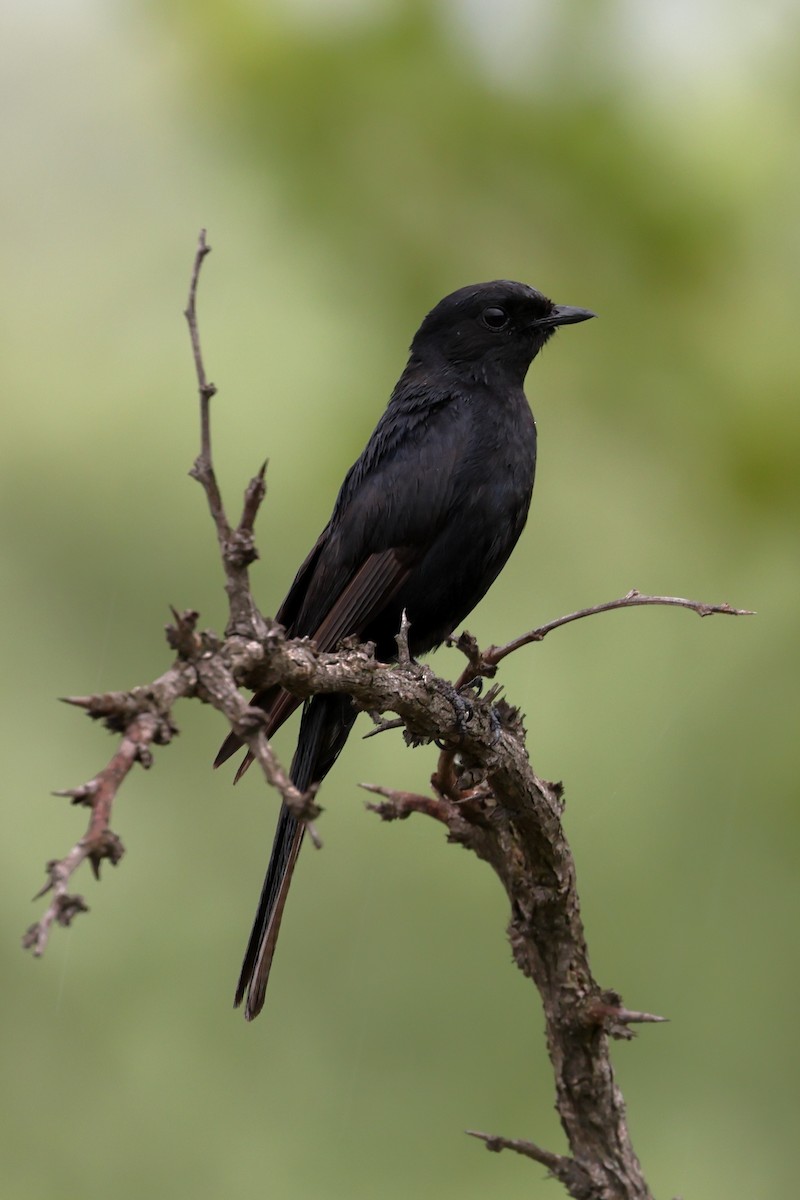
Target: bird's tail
point(326, 723)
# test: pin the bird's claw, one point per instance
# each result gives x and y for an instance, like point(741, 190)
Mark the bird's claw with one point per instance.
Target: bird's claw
point(496, 724)
point(463, 708)
point(474, 685)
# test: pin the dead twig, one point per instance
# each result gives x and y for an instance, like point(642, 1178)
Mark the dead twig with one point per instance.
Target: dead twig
point(99, 842)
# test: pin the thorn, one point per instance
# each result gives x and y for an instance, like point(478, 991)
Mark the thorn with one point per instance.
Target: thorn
point(383, 727)
point(627, 1017)
point(403, 652)
point(48, 887)
point(608, 1011)
point(80, 795)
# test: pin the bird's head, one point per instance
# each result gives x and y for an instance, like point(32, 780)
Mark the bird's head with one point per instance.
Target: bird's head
point(491, 331)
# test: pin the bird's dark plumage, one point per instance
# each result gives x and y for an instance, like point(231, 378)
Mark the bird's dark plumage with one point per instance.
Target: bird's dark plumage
point(425, 520)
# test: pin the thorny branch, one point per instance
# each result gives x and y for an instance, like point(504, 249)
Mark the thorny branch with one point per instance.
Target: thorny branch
point(485, 662)
point(237, 546)
point(484, 792)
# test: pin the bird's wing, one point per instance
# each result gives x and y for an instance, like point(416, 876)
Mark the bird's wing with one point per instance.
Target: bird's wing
point(287, 613)
point(368, 591)
point(392, 506)
point(383, 522)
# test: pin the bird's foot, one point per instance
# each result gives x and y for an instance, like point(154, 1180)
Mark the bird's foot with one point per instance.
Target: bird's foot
point(463, 707)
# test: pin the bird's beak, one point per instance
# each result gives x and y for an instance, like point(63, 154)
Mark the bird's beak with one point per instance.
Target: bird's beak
point(564, 314)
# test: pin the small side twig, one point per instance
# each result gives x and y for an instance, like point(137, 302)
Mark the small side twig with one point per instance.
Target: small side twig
point(403, 652)
point(207, 389)
point(562, 1168)
point(203, 467)
point(632, 599)
point(253, 496)
point(237, 545)
point(382, 726)
point(486, 662)
point(302, 804)
point(99, 842)
point(397, 806)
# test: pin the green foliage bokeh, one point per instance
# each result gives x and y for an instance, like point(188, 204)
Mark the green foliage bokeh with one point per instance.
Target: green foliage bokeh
point(353, 162)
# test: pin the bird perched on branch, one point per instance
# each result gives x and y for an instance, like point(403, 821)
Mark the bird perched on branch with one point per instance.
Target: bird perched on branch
point(424, 522)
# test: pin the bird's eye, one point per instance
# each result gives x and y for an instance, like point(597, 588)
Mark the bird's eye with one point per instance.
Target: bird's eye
point(495, 318)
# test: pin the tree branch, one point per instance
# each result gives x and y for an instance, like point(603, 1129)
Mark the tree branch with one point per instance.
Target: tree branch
point(99, 842)
point(632, 599)
point(484, 663)
point(237, 546)
point(484, 792)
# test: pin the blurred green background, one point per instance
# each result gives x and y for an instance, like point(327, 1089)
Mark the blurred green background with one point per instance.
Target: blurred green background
point(353, 162)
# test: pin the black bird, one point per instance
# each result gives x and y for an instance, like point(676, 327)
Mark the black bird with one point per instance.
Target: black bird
point(425, 520)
